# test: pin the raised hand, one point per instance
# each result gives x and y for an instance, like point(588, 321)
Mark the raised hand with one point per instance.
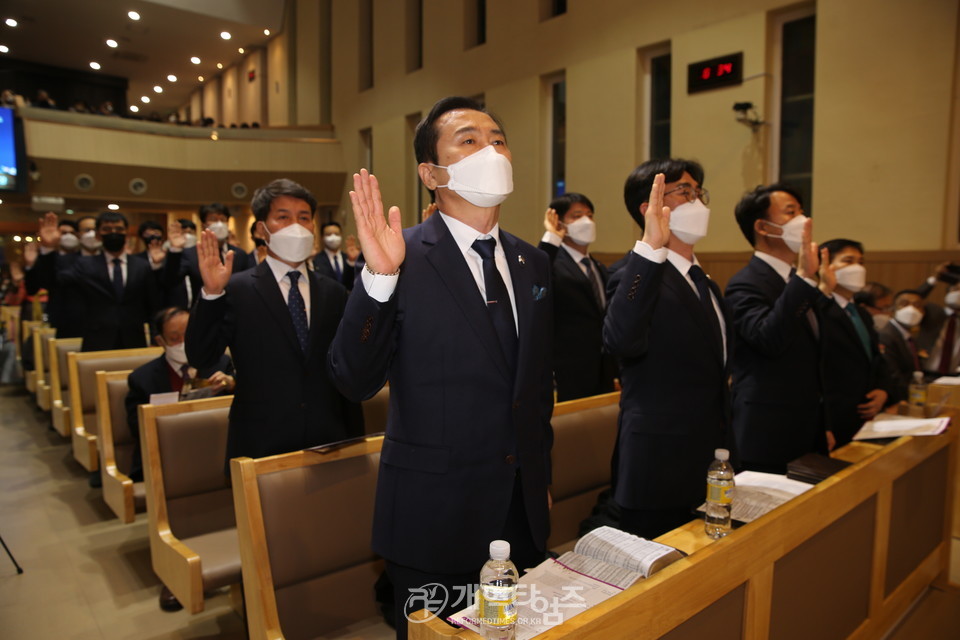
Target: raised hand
point(49, 230)
point(30, 253)
point(808, 258)
point(383, 245)
point(351, 249)
point(828, 274)
point(175, 235)
point(215, 274)
point(656, 231)
point(551, 222)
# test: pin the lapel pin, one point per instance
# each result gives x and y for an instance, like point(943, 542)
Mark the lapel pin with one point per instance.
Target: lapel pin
point(521, 259)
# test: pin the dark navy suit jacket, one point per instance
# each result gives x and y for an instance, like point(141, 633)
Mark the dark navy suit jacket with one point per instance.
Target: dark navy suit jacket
point(323, 266)
point(461, 423)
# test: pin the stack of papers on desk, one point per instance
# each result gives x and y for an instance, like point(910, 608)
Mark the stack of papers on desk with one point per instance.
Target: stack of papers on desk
point(756, 494)
point(886, 425)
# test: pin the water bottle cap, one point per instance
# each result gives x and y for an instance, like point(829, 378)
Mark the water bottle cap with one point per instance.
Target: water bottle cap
point(500, 550)
point(722, 454)
point(918, 376)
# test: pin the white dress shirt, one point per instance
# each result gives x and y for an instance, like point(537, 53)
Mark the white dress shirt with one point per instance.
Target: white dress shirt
point(123, 265)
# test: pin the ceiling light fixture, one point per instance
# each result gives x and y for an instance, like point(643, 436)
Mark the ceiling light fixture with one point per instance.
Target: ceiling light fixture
point(29, 238)
point(134, 108)
point(112, 43)
point(11, 22)
point(199, 78)
point(171, 78)
point(133, 15)
point(225, 35)
point(219, 65)
point(113, 207)
point(240, 50)
point(157, 88)
point(266, 32)
point(95, 66)
point(17, 238)
point(195, 60)
point(145, 99)
point(4, 48)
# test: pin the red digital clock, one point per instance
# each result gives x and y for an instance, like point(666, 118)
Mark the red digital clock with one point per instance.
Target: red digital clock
point(724, 71)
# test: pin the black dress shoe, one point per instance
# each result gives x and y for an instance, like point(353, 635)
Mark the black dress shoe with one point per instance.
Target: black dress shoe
point(169, 602)
point(95, 481)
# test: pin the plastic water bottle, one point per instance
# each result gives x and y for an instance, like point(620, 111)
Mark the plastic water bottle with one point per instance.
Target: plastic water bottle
point(498, 593)
point(918, 395)
point(719, 496)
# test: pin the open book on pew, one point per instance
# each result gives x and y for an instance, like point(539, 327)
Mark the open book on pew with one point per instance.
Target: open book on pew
point(886, 425)
point(756, 494)
point(603, 563)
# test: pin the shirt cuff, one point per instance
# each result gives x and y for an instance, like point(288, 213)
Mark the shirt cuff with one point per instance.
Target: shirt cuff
point(551, 238)
point(45, 250)
point(644, 250)
point(175, 249)
point(379, 287)
point(207, 296)
point(810, 281)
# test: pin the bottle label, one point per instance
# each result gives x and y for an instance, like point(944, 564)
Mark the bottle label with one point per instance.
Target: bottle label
point(719, 494)
point(918, 395)
point(498, 605)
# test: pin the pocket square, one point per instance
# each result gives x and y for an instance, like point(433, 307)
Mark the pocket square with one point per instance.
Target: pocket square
point(539, 292)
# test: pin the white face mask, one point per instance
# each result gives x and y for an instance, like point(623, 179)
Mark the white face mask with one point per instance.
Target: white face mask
point(189, 240)
point(689, 221)
point(791, 233)
point(583, 231)
point(484, 178)
point(69, 241)
point(909, 316)
point(880, 320)
point(177, 353)
point(220, 229)
point(89, 241)
point(952, 299)
point(293, 243)
point(852, 278)
point(332, 241)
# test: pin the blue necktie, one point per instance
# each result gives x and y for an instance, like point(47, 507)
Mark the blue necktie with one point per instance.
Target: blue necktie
point(118, 278)
point(298, 311)
point(498, 301)
point(336, 268)
point(858, 325)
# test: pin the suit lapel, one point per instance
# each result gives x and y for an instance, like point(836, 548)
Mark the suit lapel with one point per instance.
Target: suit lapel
point(269, 290)
point(569, 266)
point(100, 275)
point(523, 279)
point(445, 257)
point(315, 306)
point(677, 282)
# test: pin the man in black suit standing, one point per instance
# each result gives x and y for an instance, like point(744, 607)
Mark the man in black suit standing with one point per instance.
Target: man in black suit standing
point(776, 373)
point(278, 320)
point(331, 261)
point(855, 379)
point(120, 294)
point(457, 313)
point(581, 366)
point(667, 324)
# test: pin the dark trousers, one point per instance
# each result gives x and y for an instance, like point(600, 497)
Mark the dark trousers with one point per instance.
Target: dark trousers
point(414, 589)
point(652, 523)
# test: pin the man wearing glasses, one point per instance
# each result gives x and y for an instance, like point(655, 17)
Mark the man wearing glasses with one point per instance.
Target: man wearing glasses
point(667, 324)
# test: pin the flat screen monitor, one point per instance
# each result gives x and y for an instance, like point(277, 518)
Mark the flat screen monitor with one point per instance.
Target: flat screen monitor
point(12, 159)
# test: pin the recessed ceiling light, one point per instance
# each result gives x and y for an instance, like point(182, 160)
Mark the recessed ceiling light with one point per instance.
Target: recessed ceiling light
point(113, 207)
point(145, 99)
point(17, 238)
point(29, 238)
point(199, 78)
point(266, 32)
point(195, 60)
point(157, 88)
point(133, 15)
point(171, 78)
point(95, 66)
point(11, 22)
point(240, 50)
point(225, 35)
point(4, 48)
point(111, 43)
point(219, 65)
point(134, 108)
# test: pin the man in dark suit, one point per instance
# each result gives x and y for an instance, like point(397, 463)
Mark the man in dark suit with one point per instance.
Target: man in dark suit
point(944, 357)
point(900, 341)
point(776, 372)
point(457, 314)
point(151, 234)
point(854, 376)
point(667, 324)
point(181, 273)
point(120, 294)
point(278, 321)
point(331, 261)
point(581, 366)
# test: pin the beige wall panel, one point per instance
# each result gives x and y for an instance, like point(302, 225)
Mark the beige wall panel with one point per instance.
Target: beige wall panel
point(250, 92)
point(229, 97)
point(882, 117)
point(211, 100)
point(308, 61)
point(391, 154)
point(277, 85)
point(196, 105)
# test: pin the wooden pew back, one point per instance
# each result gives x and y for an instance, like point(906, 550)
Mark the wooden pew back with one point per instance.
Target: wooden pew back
point(59, 399)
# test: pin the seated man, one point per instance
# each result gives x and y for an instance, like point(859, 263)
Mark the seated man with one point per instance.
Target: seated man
point(898, 343)
point(944, 357)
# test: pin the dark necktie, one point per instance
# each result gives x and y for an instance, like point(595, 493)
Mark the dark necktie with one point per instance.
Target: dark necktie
point(913, 352)
point(336, 268)
point(946, 349)
point(298, 311)
point(706, 303)
point(118, 278)
point(498, 301)
point(592, 277)
point(858, 325)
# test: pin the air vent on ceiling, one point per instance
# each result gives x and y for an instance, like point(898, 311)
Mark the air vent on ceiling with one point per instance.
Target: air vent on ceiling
point(239, 190)
point(84, 182)
point(138, 186)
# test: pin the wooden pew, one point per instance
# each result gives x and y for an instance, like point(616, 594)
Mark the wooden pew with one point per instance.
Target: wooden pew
point(82, 368)
point(28, 328)
point(125, 497)
point(59, 397)
point(41, 360)
point(303, 575)
point(191, 523)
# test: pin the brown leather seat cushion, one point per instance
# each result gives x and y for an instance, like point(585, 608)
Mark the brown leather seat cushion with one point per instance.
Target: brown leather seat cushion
point(219, 553)
point(582, 447)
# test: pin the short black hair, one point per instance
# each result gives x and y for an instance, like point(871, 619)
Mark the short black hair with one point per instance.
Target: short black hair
point(636, 190)
point(213, 207)
point(426, 135)
point(906, 291)
point(264, 196)
point(187, 223)
point(111, 216)
point(82, 218)
point(837, 245)
point(162, 317)
point(562, 204)
point(754, 204)
point(330, 223)
point(70, 223)
point(148, 224)
point(872, 293)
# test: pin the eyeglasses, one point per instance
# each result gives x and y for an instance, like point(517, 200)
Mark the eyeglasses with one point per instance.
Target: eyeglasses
point(691, 193)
